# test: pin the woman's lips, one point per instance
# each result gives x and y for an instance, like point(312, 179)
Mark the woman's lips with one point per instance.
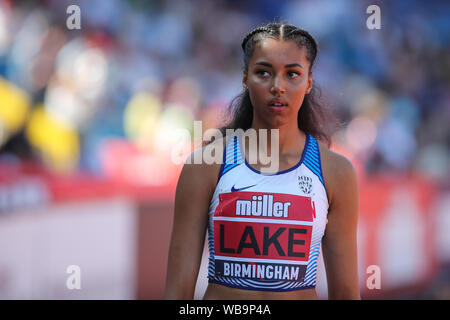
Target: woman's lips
point(277, 109)
point(277, 106)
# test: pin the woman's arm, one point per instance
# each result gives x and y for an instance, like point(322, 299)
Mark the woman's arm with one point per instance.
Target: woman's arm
point(339, 243)
point(194, 190)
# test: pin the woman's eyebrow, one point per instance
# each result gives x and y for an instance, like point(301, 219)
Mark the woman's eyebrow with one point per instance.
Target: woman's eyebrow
point(263, 63)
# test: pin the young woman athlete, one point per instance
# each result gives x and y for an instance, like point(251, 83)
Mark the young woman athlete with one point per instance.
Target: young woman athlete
point(265, 229)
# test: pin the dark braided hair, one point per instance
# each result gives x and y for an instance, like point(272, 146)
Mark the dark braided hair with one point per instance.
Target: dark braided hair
point(313, 118)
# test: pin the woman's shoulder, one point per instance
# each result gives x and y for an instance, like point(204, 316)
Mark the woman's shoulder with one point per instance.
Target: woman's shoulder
point(335, 162)
point(338, 171)
point(202, 166)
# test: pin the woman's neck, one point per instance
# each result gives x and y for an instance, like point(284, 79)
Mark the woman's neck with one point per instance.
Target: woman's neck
point(289, 137)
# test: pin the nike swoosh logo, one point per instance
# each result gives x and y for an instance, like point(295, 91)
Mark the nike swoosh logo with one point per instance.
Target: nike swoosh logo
point(233, 189)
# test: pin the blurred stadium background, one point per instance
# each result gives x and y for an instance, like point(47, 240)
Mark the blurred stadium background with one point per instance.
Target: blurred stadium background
point(87, 123)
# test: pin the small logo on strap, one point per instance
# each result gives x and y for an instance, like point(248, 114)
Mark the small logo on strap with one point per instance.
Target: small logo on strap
point(305, 184)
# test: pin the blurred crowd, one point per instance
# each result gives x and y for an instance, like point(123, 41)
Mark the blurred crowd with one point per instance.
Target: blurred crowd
point(77, 100)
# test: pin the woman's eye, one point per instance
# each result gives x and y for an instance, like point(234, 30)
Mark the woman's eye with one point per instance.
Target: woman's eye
point(293, 74)
point(262, 73)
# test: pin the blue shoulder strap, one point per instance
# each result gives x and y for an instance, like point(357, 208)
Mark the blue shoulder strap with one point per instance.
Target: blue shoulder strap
point(311, 158)
point(232, 156)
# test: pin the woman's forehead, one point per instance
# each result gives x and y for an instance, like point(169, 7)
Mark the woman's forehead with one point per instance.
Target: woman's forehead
point(279, 52)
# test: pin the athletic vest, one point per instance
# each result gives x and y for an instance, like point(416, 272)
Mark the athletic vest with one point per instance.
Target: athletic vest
point(265, 230)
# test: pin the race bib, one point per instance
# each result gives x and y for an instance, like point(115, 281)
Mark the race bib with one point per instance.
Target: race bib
point(263, 236)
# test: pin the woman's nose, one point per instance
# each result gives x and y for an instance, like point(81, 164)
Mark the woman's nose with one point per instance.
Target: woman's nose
point(277, 87)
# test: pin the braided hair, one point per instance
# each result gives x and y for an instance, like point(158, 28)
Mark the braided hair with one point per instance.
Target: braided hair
point(313, 118)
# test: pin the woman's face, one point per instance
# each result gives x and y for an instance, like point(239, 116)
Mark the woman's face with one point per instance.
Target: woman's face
point(278, 78)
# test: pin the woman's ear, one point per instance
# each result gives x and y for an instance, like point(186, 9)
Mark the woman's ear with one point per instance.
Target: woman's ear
point(310, 83)
point(244, 81)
